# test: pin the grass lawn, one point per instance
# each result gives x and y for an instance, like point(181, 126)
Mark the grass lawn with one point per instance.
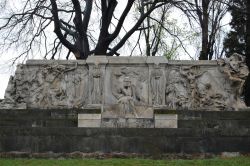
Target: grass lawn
point(239, 161)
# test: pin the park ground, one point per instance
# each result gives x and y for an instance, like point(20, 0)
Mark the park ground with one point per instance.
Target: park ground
point(237, 161)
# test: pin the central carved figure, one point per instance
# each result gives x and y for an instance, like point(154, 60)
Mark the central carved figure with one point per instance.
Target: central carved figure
point(127, 89)
point(126, 100)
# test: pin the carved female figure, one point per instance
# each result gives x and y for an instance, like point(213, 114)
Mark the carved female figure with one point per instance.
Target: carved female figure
point(96, 90)
point(156, 89)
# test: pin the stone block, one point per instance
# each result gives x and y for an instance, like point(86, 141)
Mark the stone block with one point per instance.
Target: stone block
point(166, 124)
point(127, 60)
point(33, 62)
point(166, 121)
point(89, 120)
point(157, 60)
point(192, 62)
point(89, 116)
point(97, 60)
point(166, 117)
point(89, 123)
point(230, 154)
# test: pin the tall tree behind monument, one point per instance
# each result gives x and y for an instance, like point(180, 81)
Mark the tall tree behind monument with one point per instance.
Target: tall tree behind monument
point(27, 26)
point(206, 15)
point(235, 42)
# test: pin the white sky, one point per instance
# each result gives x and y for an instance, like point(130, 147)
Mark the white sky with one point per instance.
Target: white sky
point(6, 70)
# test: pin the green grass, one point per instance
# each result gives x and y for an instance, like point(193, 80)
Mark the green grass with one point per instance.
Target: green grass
point(239, 161)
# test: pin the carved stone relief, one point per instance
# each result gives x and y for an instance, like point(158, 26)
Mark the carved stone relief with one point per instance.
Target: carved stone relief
point(78, 79)
point(211, 93)
point(11, 97)
point(52, 91)
point(10, 91)
point(193, 88)
point(49, 86)
point(128, 82)
point(211, 88)
point(131, 85)
point(16, 91)
point(96, 85)
point(191, 74)
point(176, 90)
point(128, 87)
point(235, 72)
point(157, 83)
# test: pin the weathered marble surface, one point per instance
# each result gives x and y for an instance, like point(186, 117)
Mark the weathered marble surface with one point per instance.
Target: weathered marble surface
point(128, 82)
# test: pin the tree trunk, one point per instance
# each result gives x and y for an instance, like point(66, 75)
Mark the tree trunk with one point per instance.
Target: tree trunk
point(82, 49)
point(101, 48)
point(204, 47)
point(204, 26)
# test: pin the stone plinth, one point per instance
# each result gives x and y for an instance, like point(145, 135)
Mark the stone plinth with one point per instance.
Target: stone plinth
point(89, 120)
point(166, 120)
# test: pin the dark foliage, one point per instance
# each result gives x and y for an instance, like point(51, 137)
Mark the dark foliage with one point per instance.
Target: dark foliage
point(235, 42)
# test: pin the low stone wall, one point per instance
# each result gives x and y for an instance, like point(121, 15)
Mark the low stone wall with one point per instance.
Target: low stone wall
point(46, 131)
point(42, 118)
point(216, 120)
point(128, 140)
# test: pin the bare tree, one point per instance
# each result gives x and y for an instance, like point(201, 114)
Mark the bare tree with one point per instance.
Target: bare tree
point(29, 26)
point(152, 28)
point(160, 34)
point(207, 14)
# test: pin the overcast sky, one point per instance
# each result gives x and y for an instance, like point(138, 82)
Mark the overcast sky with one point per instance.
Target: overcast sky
point(5, 59)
